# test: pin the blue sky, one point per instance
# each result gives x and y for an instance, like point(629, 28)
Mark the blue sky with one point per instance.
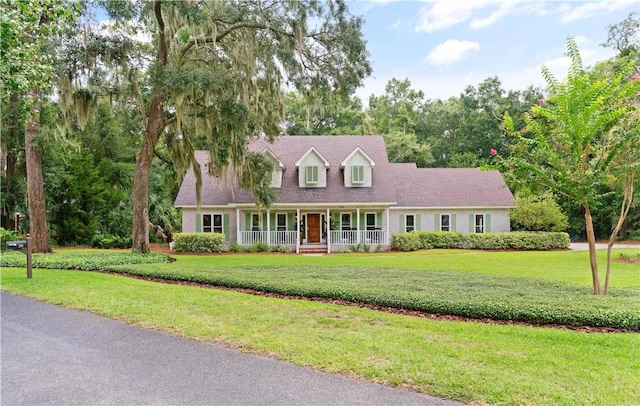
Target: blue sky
point(444, 46)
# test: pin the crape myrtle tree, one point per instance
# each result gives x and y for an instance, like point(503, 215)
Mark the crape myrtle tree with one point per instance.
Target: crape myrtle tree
point(579, 139)
point(26, 70)
point(209, 74)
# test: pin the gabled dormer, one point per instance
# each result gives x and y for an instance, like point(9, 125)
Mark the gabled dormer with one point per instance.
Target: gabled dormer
point(312, 169)
point(278, 167)
point(357, 169)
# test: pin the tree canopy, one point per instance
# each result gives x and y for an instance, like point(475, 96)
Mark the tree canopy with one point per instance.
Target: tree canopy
point(573, 144)
point(209, 74)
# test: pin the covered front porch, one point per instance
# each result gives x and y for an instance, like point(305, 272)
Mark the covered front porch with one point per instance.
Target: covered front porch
point(336, 229)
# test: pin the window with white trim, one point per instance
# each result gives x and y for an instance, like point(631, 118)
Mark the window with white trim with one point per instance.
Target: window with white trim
point(357, 174)
point(370, 221)
point(410, 222)
point(281, 221)
point(345, 221)
point(311, 175)
point(212, 223)
point(255, 221)
point(479, 221)
point(445, 222)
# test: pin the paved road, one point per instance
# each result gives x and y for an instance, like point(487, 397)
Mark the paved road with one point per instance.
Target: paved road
point(54, 356)
point(583, 246)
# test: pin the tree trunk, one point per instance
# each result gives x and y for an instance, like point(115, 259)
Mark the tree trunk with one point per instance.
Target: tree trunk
point(155, 125)
point(140, 232)
point(12, 130)
point(153, 128)
point(627, 199)
point(35, 182)
point(591, 239)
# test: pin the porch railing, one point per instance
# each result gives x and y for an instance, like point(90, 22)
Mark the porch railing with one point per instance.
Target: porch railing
point(271, 237)
point(346, 237)
point(337, 237)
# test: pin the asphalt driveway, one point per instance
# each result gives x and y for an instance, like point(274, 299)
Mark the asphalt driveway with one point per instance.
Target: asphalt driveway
point(53, 356)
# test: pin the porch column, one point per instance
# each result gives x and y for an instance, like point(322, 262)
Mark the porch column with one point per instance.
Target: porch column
point(358, 225)
point(328, 232)
point(297, 231)
point(268, 227)
point(238, 237)
point(388, 228)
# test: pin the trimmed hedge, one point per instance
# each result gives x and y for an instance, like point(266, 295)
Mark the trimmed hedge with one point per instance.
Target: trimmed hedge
point(518, 240)
point(83, 261)
point(407, 241)
point(199, 242)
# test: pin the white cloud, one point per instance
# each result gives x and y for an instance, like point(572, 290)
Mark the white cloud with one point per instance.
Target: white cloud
point(506, 8)
point(451, 51)
point(442, 14)
point(591, 9)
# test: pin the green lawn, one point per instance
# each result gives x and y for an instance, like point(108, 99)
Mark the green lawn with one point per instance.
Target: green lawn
point(471, 362)
point(565, 266)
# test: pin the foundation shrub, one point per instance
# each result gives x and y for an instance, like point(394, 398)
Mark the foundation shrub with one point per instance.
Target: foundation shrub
point(199, 242)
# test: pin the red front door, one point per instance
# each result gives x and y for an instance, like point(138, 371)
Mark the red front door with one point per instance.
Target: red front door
point(313, 228)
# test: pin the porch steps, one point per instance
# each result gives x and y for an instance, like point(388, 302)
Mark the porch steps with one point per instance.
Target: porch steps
point(313, 249)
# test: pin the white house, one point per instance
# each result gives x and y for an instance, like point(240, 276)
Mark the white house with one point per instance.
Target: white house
point(339, 191)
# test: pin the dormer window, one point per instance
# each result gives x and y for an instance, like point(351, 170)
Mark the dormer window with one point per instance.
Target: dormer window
point(357, 169)
point(357, 174)
point(311, 175)
point(278, 168)
point(312, 169)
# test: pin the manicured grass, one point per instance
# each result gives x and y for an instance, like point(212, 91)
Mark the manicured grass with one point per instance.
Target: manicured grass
point(480, 363)
point(565, 266)
point(458, 291)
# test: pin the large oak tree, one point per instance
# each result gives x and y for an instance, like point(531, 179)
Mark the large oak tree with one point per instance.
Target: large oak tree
point(209, 74)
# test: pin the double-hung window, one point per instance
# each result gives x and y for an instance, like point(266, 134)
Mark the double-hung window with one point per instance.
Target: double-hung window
point(357, 174)
point(410, 222)
point(281, 220)
point(212, 223)
point(345, 221)
point(311, 175)
point(255, 221)
point(445, 222)
point(370, 221)
point(479, 221)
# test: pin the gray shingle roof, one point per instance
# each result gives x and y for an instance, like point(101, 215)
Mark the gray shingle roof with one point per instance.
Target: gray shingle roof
point(398, 184)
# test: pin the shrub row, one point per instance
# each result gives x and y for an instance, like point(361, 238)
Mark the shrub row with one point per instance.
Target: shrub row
point(416, 240)
point(83, 261)
point(106, 241)
point(199, 242)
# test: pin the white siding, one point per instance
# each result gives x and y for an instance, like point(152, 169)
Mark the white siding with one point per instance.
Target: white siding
point(427, 219)
point(276, 178)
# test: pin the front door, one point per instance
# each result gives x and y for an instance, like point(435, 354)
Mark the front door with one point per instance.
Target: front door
point(313, 228)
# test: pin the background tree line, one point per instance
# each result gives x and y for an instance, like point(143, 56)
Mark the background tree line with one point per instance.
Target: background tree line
point(107, 89)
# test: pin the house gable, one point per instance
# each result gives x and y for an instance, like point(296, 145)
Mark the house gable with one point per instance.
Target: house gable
point(357, 169)
point(278, 168)
point(312, 169)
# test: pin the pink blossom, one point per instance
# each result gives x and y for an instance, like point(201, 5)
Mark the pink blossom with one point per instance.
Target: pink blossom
point(541, 102)
point(493, 152)
point(635, 78)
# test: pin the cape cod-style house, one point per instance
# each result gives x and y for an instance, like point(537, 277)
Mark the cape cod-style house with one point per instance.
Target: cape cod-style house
point(339, 191)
